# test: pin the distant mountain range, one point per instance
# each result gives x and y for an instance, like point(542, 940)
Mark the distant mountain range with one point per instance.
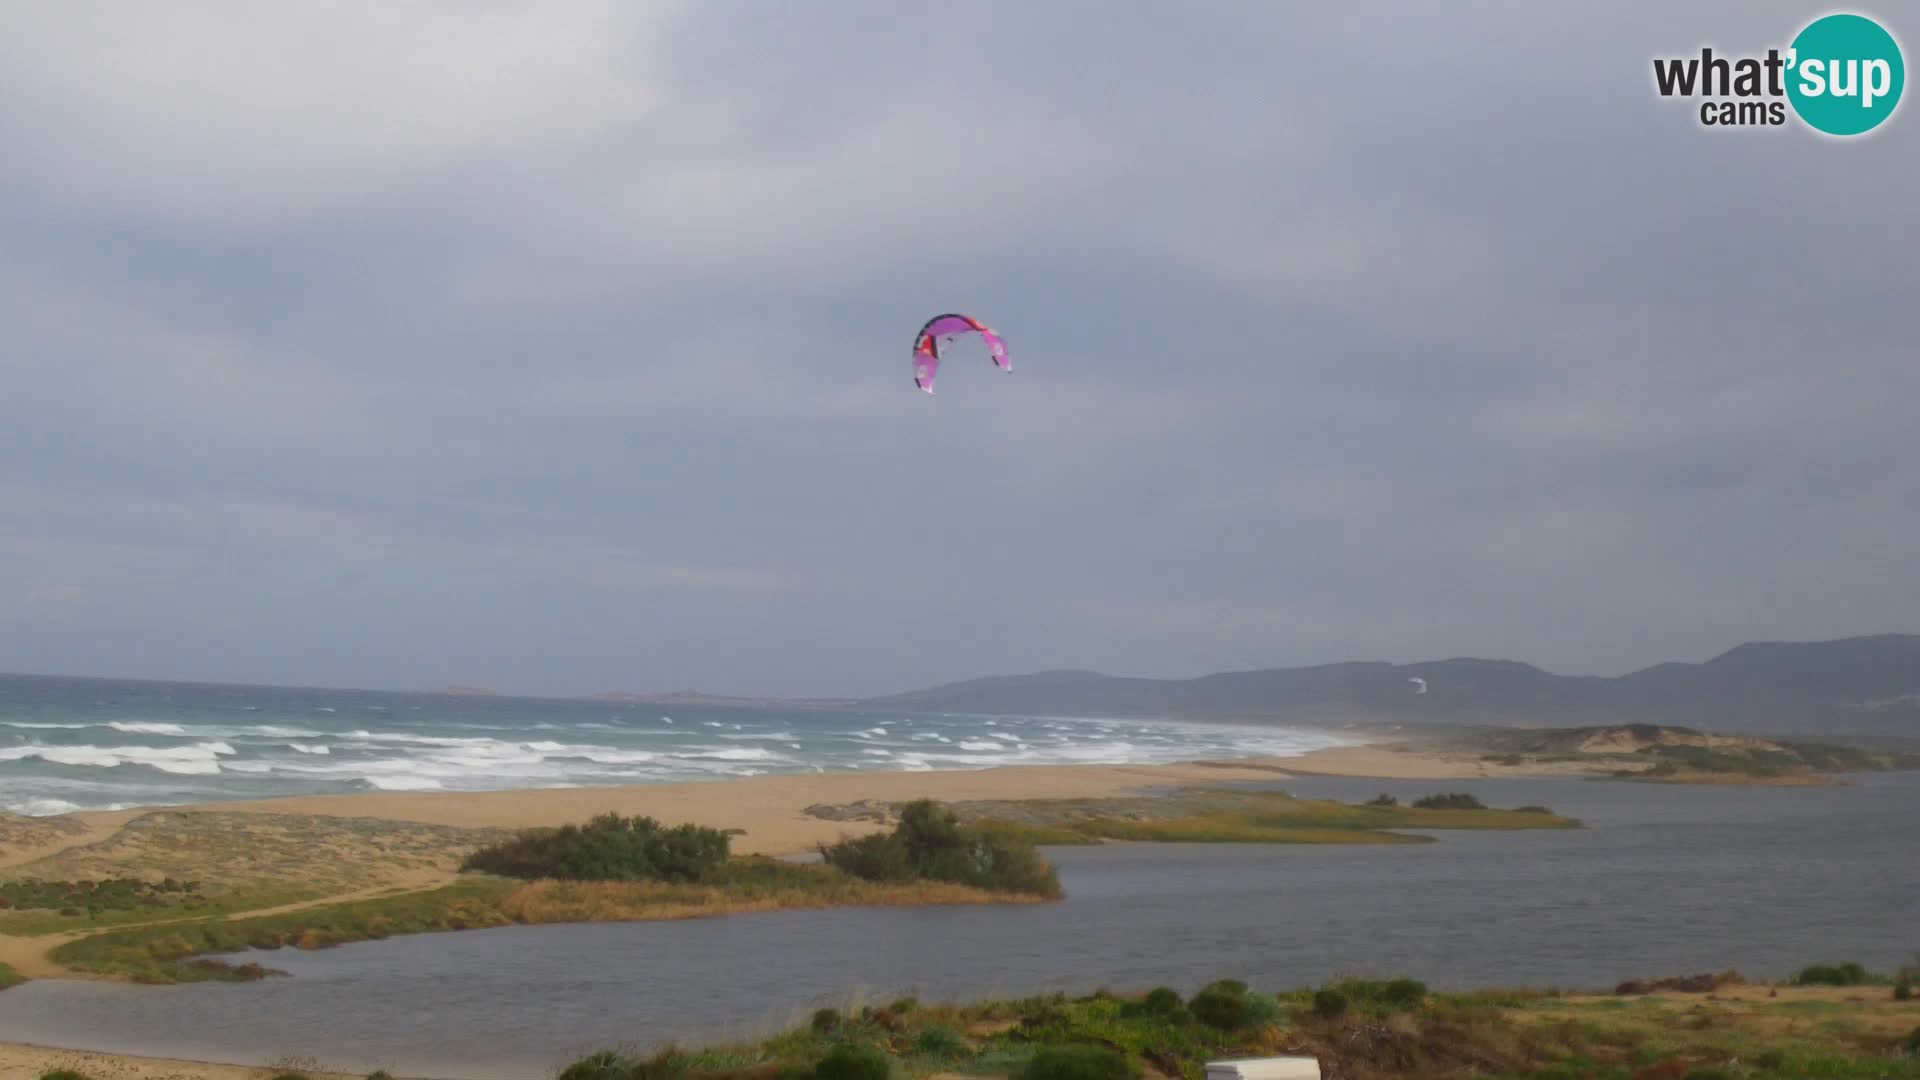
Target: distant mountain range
point(1862, 685)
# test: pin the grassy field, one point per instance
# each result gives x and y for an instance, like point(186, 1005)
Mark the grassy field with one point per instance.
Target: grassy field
point(239, 862)
point(1359, 1030)
point(9, 977)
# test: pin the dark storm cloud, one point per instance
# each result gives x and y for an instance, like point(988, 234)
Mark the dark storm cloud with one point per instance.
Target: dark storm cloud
point(562, 349)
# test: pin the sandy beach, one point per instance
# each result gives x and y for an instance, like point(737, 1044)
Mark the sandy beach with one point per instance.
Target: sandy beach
point(772, 810)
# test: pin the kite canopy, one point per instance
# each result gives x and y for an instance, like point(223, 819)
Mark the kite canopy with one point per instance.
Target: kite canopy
point(943, 330)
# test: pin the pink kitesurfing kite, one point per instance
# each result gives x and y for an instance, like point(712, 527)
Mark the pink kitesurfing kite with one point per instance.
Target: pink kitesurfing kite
point(944, 330)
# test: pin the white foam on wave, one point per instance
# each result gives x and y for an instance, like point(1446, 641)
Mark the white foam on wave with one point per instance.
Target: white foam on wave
point(420, 740)
point(142, 727)
point(878, 753)
point(404, 783)
point(200, 759)
point(619, 757)
point(47, 807)
point(975, 744)
point(306, 748)
point(742, 753)
point(33, 726)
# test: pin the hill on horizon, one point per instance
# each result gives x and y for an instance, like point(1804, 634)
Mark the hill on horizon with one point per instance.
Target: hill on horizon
point(1861, 685)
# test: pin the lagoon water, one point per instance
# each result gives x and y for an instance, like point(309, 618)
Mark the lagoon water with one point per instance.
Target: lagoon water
point(1664, 880)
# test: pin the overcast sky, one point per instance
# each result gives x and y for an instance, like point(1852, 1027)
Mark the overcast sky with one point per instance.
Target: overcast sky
point(564, 347)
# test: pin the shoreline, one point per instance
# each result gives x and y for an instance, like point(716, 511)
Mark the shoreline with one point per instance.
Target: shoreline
point(771, 808)
point(411, 842)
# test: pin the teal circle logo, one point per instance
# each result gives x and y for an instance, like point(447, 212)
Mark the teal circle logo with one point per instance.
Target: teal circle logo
point(1846, 74)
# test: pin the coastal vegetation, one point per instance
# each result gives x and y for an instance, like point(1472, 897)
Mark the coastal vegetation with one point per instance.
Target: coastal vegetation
point(930, 844)
point(1359, 1029)
point(1209, 815)
point(9, 977)
point(92, 897)
point(608, 848)
point(610, 869)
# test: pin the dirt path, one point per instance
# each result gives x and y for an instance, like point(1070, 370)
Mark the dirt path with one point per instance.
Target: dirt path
point(29, 955)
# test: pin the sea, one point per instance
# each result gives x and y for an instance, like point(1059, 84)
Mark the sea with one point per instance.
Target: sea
point(99, 744)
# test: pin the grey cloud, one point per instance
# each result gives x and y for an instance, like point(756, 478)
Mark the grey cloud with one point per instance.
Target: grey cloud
point(563, 349)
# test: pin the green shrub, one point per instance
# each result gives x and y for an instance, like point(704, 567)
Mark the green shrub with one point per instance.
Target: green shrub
point(62, 1074)
point(1383, 799)
point(608, 848)
point(1848, 974)
point(1457, 800)
point(850, 1062)
point(941, 1042)
point(1329, 1003)
point(1402, 993)
point(825, 1020)
point(1770, 1060)
point(1709, 1074)
point(605, 1065)
point(1220, 1008)
point(1077, 1062)
point(379, 1074)
point(1162, 1001)
point(1263, 1010)
point(1903, 990)
point(930, 844)
point(904, 1006)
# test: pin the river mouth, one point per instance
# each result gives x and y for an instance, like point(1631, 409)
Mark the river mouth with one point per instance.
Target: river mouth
point(1664, 880)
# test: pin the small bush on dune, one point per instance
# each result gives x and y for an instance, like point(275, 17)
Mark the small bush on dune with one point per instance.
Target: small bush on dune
point(1263, 1010)
point(850, 1062)
point(1220, 1008)
point(1903, 990)
point(1078, 1063)
point(1227, 1005)
point(608, 848)
point(1848, 974)
point(941, 1042)
point(62, 1074)
point(1383, 799)
point(605, 1065)
point(1329, 1004)
point(1452, 800)
point(1162, 1001)
point(379, 1074)
point(825, 1020)
point(930, 844)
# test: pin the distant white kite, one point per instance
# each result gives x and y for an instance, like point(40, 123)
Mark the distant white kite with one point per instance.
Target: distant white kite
point(1419, 684)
